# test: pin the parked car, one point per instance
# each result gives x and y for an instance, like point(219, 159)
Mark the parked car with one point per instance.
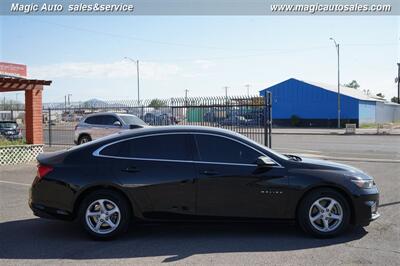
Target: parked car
point(98, 125)
point(155, 119)
point(174, 173)
point(10, 130)
point(234, 121)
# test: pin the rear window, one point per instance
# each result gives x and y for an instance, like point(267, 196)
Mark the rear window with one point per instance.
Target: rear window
point(8, 125)
point(101, 120)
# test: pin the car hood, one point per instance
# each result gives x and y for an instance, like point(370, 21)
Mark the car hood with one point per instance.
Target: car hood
point(328, 165)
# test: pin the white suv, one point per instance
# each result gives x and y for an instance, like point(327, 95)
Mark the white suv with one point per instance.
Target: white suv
point(98, 125)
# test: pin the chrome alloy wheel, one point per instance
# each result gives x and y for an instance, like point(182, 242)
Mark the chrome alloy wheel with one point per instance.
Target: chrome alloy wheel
point(326, 214)
point(103, 216)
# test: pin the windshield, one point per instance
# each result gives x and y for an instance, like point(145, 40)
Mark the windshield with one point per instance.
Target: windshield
point(8, 125)
point(132, 120)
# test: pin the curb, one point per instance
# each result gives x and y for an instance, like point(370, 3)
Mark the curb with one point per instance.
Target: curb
point(349, 159)
point(333, 134)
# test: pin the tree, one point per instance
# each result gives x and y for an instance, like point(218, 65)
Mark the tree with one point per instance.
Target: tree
point(380, 95)
point(157, 103)
point(353, 84)
point(395, 100)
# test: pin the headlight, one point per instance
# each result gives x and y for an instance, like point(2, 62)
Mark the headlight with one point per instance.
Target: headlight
point(363, 183)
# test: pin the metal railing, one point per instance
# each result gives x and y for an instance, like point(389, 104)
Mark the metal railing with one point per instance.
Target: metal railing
point(247, 115)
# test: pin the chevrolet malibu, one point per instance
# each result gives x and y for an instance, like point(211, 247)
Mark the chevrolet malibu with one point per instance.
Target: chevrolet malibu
point(175, 173)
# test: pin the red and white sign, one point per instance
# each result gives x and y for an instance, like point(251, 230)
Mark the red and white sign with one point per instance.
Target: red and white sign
point(13, 70)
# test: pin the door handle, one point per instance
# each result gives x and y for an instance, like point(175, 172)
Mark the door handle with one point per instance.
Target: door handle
point(209, 172)
point(130, 169)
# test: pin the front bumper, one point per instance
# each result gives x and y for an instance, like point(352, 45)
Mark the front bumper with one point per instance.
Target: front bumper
point(366, 207)
point(12, 137)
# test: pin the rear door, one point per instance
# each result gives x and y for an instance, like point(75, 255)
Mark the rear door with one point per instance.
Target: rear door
point(158, 172)
point(230, 184)
point(101, 125)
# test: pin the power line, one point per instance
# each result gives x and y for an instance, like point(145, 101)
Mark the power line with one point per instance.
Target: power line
point(158, 42)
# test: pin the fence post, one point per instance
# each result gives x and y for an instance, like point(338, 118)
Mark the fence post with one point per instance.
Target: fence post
point(269, 104)
point(49, 121)
point(265, 121)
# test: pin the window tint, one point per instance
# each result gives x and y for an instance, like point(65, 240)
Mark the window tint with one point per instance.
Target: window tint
point(219, 149)
point(92, 120)
point(172, 147)
point(8, 125)
point(101, 120)
point(108, 120)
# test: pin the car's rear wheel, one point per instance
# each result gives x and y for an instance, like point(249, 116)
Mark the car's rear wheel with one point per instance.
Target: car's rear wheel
point(324, 213)
point(84, 139)
point(104, 214)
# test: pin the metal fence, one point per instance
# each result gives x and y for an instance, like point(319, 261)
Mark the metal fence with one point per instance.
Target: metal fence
point(247, 115)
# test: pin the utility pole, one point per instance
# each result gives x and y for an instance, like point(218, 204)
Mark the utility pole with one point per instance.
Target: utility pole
point(69, 99)
point(186, 95)
point(398, 83)
point(248, 87)
point(137, 75)
point(226, 92)
point(65, 103)
point(338, 79)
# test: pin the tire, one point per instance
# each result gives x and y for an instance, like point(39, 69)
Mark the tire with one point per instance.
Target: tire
point(324, 213)
point(97, 221)
point(83, 139)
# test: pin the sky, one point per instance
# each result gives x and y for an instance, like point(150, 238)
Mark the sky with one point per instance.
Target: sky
point(84, 56)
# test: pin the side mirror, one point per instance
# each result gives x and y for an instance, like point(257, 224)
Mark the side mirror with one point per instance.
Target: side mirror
point(117, 124)
point(264, 161)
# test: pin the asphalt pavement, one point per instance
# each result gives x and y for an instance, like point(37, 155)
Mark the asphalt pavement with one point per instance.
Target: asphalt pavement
point(27, 240)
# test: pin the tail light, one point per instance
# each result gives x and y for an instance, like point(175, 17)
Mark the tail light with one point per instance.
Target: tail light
point(76, 126)
point(43, 170)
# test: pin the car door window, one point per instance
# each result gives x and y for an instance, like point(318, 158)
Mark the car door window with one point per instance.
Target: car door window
point(104, 120)
point(92, 120)
point(169, 147)
point(223, 150)
point(109, 120)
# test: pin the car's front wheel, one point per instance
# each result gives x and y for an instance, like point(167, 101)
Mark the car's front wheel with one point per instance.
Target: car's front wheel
point(104, 214)
point(324, 213)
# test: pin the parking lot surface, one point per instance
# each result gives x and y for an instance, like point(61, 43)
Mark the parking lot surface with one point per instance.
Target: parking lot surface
point(27, 240)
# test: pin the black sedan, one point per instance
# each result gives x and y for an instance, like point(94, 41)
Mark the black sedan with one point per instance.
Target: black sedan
point(176, 173)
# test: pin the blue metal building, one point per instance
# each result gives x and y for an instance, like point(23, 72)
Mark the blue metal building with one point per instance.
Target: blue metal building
point(299, 103)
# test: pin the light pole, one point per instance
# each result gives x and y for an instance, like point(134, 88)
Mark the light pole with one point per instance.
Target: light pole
point(338, 79)
point(137, 74)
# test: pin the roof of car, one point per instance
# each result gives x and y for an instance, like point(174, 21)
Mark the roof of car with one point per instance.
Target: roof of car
point(107, 113)
point(176, 128)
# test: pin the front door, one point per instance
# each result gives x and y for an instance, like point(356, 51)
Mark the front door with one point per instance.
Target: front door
point(230, 184)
